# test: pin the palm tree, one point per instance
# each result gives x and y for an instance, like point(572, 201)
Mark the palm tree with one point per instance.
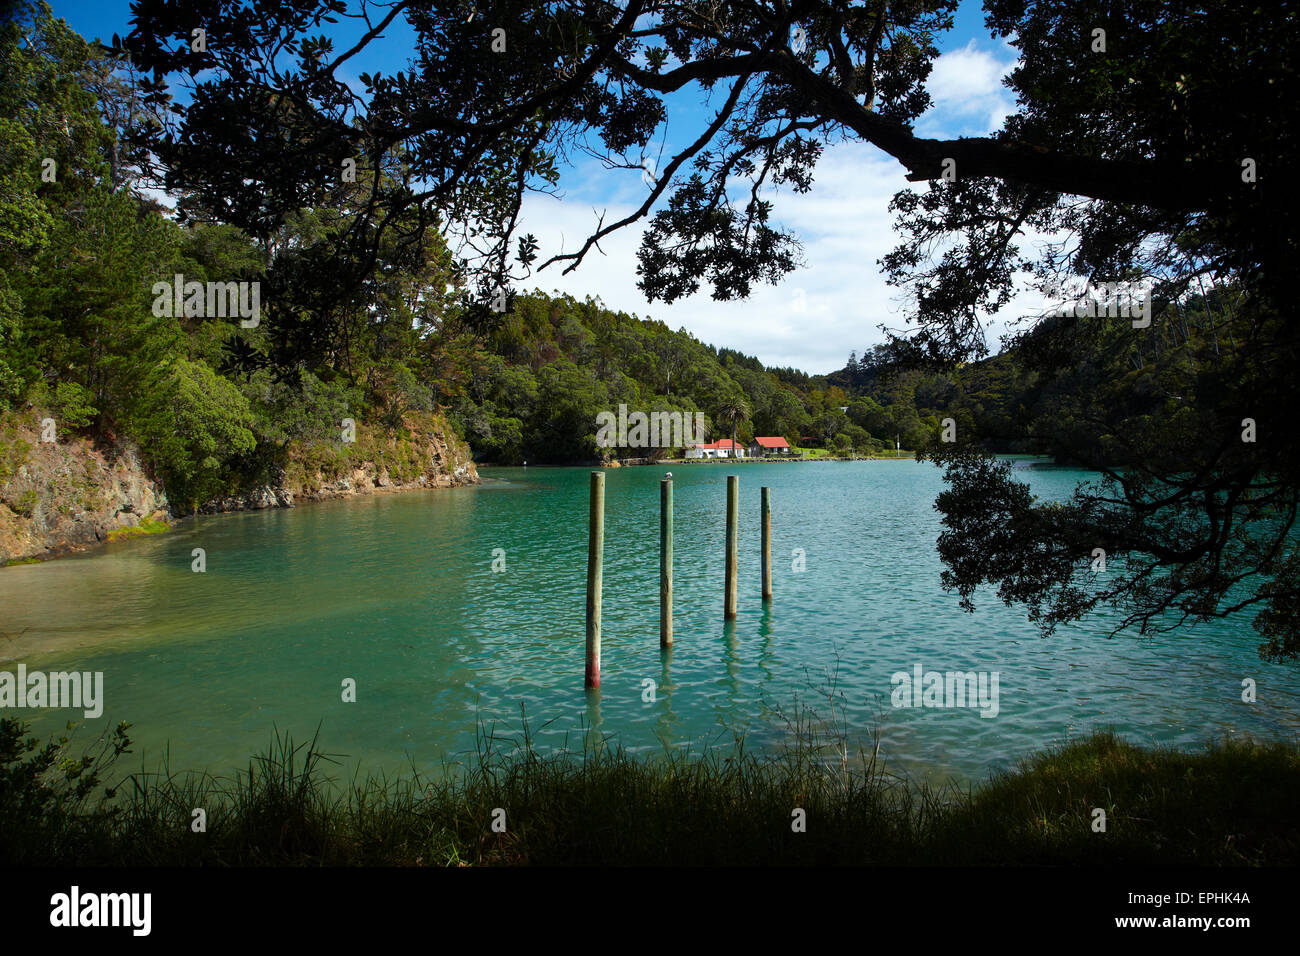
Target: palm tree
point(735, 410)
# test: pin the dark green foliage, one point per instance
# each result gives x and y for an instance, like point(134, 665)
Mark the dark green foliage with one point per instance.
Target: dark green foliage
point(198, 425)
point(1162, 155)
point(530, 387)
point(55, 806)
point(1199, 511)
point(86, 338)
point(1141, 155)
point(1226, 805)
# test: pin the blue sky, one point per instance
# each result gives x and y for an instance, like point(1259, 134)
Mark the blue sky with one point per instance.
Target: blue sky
point(818, 314)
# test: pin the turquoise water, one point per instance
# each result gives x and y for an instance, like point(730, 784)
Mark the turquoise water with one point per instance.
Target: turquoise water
point(398, 593)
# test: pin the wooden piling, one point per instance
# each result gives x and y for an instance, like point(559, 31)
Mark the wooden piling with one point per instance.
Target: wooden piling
point(733, 513)
point(767, 545)
point(666, 563)
point(595, 562)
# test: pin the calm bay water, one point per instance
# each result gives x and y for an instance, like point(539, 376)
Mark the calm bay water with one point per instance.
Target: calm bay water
point(398, 593)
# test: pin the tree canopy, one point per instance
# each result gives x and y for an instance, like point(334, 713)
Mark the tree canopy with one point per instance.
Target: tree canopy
point(1150, 143)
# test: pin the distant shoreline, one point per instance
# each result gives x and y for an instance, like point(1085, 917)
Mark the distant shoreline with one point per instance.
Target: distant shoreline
point(637, 462)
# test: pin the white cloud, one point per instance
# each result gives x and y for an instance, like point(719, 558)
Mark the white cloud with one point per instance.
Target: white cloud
point(812, 320)
point(966, 88)
point(835, 304)
point(965, 76)
point(160, 196)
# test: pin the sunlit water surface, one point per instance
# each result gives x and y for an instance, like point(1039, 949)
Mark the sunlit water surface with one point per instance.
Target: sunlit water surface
point(398, 593)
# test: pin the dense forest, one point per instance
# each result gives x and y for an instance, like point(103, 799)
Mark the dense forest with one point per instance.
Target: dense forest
point(87, 338)
point(237, 271)
point(530, 388)
point(366, 320)
point(84, 242)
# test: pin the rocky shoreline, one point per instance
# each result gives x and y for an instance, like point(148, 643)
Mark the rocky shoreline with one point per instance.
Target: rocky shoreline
point(67, 497)
point(57, 499)
point(360, 481)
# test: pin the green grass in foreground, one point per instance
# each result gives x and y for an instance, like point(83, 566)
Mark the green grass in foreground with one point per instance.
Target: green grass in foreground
point(1230, 804)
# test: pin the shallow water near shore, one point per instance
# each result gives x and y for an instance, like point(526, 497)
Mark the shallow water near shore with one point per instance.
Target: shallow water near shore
point(397, 592)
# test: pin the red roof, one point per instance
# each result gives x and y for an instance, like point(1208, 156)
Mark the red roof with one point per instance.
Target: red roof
point(720, 444)
point(770, 442)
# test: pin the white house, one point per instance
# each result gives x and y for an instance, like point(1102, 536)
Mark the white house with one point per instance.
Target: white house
point(722, 448)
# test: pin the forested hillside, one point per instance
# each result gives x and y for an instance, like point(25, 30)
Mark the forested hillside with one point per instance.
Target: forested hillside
point(529, 388)
point(219, 407)
point(223, 404)
point(93, 349)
